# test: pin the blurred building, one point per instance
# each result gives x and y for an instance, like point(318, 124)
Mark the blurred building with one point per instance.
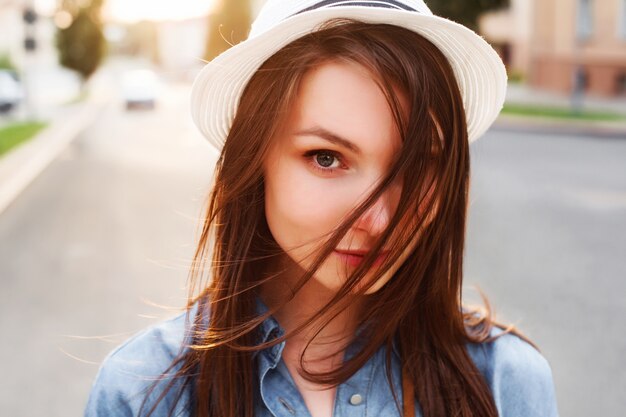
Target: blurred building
point(563, 44)
point(11, 41)
point(509, 32)
point(13, 33)
point(181, 44)
point(45, 82)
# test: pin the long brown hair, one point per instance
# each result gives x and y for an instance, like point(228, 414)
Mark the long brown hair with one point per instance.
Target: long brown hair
point(421, 304)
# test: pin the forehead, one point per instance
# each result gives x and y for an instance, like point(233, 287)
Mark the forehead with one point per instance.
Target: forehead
point(345, 99)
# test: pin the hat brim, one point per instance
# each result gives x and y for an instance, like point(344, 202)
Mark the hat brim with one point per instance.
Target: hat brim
point(479, 71)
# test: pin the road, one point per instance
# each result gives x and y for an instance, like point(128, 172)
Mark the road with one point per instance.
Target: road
point(546, 244)
point(92, 249)
point(103, 238)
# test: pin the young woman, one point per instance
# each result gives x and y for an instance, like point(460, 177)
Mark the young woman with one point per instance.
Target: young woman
point(328, 276)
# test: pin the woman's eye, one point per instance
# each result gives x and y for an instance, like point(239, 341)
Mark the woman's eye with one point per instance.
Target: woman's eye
point(326, 160)
point(323, 160)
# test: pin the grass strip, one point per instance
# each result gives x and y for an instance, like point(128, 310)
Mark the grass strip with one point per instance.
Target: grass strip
point(561, 113)
point(14, 134)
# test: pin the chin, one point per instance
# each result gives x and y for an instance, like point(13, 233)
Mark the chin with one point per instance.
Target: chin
point(332, 279)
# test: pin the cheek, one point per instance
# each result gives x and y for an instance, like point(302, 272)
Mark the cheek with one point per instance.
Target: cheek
point(392, 270)
point(299, 207)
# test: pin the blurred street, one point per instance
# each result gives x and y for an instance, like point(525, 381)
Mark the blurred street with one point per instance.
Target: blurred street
point(546, 245)
point(109, 228)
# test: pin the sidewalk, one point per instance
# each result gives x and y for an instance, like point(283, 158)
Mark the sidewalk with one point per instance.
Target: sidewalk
point(522, 94)
point(519, 94)
point(22, 165)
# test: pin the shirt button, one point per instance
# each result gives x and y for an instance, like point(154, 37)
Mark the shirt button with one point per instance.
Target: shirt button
point(356, 399)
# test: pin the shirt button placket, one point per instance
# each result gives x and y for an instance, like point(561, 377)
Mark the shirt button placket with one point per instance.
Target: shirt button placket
point(287, 406)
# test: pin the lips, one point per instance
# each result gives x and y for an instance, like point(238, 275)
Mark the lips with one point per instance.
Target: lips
point(356, 257)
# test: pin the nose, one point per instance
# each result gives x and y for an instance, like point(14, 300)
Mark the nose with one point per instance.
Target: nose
point(377, 217)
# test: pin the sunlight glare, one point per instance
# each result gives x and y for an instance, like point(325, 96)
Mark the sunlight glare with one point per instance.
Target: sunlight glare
point(136, 10)
point(130, 11)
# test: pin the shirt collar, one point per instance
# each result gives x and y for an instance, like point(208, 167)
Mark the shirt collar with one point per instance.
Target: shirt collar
point(269, 330)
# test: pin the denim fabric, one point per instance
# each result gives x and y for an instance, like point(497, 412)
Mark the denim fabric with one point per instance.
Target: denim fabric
point(519, 377)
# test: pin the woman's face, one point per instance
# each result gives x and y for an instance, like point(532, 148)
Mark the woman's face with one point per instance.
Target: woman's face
point(337, 143)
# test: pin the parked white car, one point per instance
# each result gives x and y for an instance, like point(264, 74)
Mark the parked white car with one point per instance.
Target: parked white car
point(11, 91)
point(140, 89)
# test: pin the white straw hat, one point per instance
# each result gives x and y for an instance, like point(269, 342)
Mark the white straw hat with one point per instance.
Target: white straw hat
point(479, 71)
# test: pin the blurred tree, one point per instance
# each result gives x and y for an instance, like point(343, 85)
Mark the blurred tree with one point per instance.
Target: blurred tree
point(82, 44)
point(228, 25)
point(6, 62)
point(465, 12)
point(141, 40)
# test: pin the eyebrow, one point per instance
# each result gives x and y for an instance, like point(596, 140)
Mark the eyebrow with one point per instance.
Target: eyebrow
point(331, 137)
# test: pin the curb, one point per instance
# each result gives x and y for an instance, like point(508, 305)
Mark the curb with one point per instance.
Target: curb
point(22, 165)
point(602, 129)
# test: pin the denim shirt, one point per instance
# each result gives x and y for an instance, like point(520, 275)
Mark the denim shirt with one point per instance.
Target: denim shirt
point(518, 376)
